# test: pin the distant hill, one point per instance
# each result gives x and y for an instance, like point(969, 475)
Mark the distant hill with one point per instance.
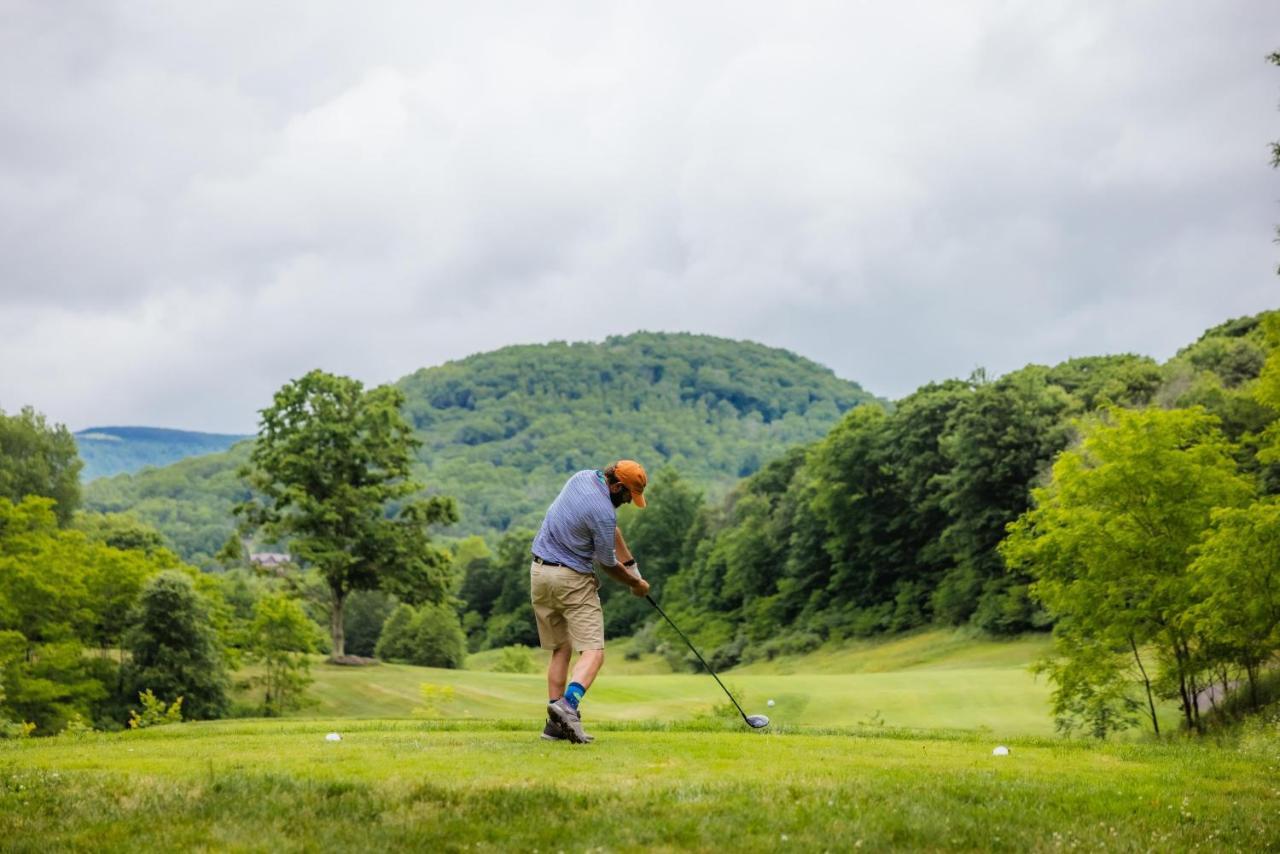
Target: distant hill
point(501, 430)
point(115, 450)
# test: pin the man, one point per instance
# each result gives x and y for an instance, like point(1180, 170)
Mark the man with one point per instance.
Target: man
point(580, 528)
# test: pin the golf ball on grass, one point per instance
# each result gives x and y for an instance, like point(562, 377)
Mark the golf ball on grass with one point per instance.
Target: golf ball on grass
point(1000, 751)
point(771, 702)
point(333, 736)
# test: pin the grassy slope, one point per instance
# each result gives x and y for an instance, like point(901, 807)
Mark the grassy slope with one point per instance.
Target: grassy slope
point(937, 679)
point(279, 786)
point(928, 649)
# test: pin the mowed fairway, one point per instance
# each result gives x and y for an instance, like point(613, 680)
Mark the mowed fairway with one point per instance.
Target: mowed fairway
point(929, 680)
point(458, 785)
point(1003, 703)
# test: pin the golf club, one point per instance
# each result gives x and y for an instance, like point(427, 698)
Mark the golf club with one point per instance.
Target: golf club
point(753, 721)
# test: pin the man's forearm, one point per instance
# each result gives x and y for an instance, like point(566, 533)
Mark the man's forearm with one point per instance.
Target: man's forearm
point(625, 574)
point(620, 547)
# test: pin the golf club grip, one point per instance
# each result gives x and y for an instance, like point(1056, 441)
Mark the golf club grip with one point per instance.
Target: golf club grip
point(700, 658)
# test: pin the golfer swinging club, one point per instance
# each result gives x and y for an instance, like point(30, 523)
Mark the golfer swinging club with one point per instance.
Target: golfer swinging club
point(581, 526)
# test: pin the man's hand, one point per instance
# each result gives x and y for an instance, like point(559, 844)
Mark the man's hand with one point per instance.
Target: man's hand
point(639, 587)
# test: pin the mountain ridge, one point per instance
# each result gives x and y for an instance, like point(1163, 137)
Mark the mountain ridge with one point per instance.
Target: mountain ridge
point(501, 429)
point(122, 449)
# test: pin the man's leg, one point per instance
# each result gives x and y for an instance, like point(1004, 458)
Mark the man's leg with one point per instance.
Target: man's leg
point(584, 622)
point(558, 671)
point(589, 663)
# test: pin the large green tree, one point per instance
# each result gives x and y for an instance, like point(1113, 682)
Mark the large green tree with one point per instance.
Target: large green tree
point(332, 474)
point(39, 459)
point(1236, 574)
point(1109, 545)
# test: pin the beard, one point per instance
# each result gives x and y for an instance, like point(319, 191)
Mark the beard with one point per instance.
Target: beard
point(616, 498)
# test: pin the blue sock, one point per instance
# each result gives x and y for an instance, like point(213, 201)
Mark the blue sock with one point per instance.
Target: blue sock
point(573, 694)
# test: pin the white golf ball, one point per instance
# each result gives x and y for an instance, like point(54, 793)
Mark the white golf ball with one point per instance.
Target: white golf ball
point(333, 736)
point(1000, 751)
point(771, 702)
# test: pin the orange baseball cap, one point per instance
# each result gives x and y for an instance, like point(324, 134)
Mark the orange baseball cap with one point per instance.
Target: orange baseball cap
point(631, 475)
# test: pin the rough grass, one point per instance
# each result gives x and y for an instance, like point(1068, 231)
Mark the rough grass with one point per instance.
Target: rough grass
point(455, 785)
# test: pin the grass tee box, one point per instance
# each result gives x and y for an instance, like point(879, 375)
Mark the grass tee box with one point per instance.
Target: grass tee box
point(454, 785)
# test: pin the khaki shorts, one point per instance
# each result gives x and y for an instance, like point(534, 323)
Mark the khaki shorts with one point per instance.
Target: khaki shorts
point(566, 604)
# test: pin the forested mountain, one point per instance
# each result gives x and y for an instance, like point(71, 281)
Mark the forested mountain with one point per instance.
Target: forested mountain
point(501, 430)
point(123, 450)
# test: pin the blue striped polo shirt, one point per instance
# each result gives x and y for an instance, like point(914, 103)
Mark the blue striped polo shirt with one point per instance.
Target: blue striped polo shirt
point(579, 524)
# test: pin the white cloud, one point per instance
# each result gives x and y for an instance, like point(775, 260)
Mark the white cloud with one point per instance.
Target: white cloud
point(200, 202)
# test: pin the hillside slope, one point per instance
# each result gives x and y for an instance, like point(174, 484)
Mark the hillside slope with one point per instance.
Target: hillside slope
point(109, 451)
point(501, 430)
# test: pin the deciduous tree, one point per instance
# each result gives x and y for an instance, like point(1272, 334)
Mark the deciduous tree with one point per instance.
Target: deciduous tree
point(331, 469)
point(1236, 574)
point(1109, 540)
point(39, 459)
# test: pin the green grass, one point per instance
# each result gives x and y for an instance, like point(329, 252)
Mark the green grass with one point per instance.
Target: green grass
point(938, 679)
point(932, 649)
point(458, 785)
point(1002, 702)
point(881, 746)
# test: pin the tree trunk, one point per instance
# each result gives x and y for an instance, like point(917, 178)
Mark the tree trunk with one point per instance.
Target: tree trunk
point(1187, 700)
point(1146, 683)
point(1195, 704)
point(337, 630)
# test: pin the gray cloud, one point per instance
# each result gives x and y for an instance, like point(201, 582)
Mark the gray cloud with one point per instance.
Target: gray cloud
point(199, 202)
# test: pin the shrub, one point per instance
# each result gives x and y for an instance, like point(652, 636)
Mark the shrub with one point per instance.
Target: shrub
point(429, 635)
point(514, 659)
point(438, 640)
point(434, 699)
point(155, 712)
point(395, 642)
point(175, 652)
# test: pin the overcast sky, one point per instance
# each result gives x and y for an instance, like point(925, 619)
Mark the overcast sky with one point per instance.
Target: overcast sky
point(201, 201)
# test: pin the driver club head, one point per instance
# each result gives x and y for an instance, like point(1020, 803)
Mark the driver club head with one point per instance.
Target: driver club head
point(757, 721)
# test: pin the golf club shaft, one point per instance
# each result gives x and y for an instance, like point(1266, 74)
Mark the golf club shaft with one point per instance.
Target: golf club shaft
point(700, 658)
